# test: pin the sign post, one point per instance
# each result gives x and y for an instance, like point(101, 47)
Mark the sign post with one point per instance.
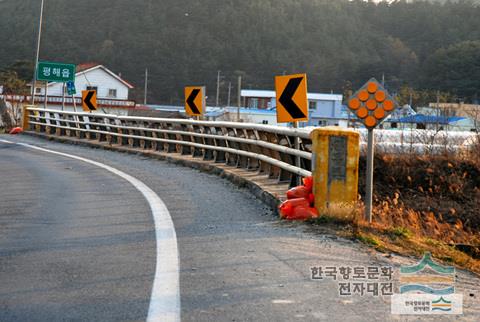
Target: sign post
point(195, 101)
point(292, 104)
point(371, 104)
point(46, 96)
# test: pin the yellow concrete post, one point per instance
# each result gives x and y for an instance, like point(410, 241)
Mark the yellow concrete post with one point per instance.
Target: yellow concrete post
point(25, 118)
point(335, 158)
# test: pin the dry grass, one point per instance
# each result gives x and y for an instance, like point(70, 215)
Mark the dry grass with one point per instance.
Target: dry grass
point(341, 213)
point(421, 203)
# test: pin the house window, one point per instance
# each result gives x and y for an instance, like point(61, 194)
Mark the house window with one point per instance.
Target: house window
point(92, 88)
point(38, 90)
point(112, 92)
point(312, 105)
point(253, 103)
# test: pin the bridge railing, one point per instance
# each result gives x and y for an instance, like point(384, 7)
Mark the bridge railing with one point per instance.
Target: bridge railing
point(269, 150)
point(69, 100)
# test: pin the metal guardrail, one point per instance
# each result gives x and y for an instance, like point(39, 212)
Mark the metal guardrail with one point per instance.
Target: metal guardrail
point(267, 149)
point(57, 100)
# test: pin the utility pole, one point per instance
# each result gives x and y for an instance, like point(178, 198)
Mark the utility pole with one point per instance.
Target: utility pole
point(438, 108)
point(146, 87)
point(218, 89)
point(229, 93)
point(239, 93)
point(34, 82)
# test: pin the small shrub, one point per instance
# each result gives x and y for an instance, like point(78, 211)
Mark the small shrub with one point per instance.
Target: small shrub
point(369, 240)
point(401, 232)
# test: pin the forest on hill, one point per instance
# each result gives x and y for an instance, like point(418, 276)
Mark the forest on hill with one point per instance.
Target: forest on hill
point(426, 46)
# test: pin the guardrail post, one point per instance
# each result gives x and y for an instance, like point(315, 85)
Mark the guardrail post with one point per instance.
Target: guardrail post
point(155, 145)
point(253, 164)
point(48, 129)
point(86, 121)
point(171, 147)
point(121, 140)
point(264, 167)
point(220, 155)
point(58, 131)
point(286, 176)
point(273, 171)
point(197, 152)
point(142, 142)
point(148, 135)
point(207, 154)
point(335, 160)
point(231, 158)
point(242, 161)
point(77, 126)
point(131, 141)
point(185, 150)
point(39, 119)
point(68, 119)
point(108, 128)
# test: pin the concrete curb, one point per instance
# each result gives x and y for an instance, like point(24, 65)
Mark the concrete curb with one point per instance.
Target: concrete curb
point(269, 191)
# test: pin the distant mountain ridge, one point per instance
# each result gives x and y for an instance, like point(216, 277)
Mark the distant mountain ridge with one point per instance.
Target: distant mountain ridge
point(338, 43)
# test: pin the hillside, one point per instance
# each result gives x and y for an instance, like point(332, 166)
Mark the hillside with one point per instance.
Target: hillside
point(338, 43)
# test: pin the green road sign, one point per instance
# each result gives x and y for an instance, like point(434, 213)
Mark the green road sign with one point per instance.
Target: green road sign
point(55, 72)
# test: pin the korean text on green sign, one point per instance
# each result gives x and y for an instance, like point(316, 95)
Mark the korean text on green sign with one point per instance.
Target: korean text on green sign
point(55, 72)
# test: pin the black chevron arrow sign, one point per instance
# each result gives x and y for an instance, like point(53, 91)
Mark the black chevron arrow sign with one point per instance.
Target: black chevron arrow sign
point(191, 101)
point(88, 101)
point(286, 99)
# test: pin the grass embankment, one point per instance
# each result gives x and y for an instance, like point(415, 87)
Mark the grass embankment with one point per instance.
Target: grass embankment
point(421, 203)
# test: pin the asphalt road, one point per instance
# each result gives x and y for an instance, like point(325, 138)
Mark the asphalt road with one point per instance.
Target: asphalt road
point(78, 243)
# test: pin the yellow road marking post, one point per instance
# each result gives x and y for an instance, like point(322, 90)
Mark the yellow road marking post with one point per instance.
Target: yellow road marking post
point(335, 159)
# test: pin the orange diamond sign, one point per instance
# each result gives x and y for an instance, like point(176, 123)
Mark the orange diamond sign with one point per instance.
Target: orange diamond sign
point(372, 104)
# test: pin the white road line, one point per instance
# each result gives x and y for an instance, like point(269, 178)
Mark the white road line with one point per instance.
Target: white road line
point(165, 297)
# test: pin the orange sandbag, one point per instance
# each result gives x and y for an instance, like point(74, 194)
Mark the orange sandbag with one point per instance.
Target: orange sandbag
point(308, 183)
point(303, 213)
point(287, 207)
point(298, 192)
point(16, 130)
point(285, 210)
